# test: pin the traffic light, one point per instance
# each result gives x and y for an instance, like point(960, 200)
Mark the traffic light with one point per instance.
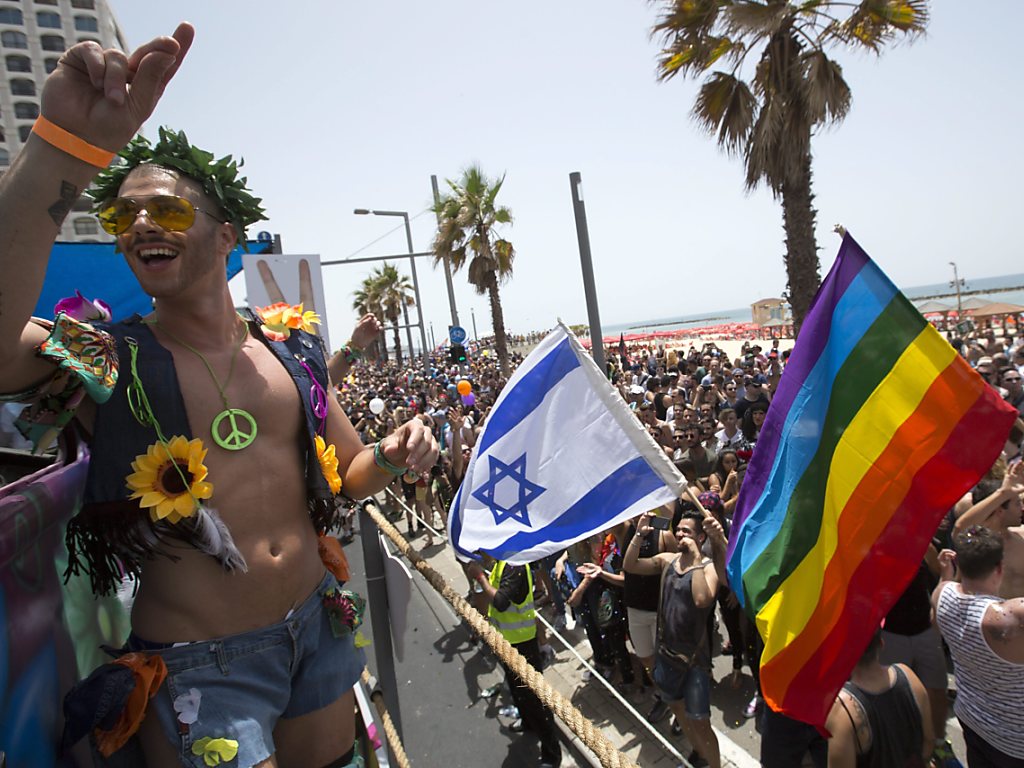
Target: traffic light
point(457, 353)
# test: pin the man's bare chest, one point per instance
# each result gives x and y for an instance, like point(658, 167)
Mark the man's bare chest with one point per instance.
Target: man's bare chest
point(253, 381)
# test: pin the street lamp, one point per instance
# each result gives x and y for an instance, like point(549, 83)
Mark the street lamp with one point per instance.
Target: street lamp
point(412, 265)
point(957, 282)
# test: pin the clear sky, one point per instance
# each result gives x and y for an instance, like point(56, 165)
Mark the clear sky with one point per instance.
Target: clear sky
point(337, 105)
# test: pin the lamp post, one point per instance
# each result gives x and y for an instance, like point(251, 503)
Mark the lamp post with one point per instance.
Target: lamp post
point(412, 266)
point(957, 282)
point(473, 315)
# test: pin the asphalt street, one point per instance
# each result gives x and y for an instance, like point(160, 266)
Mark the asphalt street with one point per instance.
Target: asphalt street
point(445, 721)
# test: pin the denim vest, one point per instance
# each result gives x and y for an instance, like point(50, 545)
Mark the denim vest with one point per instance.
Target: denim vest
point(111, 536)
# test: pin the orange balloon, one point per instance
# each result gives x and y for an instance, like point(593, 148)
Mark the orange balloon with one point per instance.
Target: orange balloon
point(464, 387)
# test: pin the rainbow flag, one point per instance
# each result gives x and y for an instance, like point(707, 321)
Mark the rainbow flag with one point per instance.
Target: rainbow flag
point(877, 428)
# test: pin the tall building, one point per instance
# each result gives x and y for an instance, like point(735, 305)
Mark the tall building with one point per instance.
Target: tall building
point(33, 35)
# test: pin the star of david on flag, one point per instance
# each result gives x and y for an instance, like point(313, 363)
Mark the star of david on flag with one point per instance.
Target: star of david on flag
point(526, 491)
point(561, 457)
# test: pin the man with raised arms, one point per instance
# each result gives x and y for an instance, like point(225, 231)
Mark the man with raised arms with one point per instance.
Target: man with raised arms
point(216, 455)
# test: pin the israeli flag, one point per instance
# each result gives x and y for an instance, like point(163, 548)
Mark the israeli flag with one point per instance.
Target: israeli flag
point(561, 457)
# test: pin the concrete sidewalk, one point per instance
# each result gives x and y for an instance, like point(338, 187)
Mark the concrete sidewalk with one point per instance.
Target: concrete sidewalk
point(620, 720)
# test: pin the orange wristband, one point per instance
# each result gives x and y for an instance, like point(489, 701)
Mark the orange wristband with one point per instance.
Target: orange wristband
point(67, 142)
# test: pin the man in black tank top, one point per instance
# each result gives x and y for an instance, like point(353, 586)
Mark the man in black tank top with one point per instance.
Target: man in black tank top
point(881, 718)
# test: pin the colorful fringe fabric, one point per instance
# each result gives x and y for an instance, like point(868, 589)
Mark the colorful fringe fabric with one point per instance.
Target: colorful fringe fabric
point(878, 427)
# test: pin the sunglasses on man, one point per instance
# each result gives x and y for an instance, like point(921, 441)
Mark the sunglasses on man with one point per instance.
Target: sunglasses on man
point(169, 212)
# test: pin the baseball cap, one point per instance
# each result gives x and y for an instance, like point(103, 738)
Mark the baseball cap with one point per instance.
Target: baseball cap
point(758, 378)
point(707, 381)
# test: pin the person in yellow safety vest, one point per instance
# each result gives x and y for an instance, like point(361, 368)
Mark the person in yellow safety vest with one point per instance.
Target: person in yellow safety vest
point(509, 593)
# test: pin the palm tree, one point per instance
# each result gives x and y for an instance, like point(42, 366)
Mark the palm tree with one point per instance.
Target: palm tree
point(395, 294)
point(790, 88)
point(465, 231)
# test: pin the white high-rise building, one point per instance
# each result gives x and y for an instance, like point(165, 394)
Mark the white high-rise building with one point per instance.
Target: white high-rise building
point(33, 35)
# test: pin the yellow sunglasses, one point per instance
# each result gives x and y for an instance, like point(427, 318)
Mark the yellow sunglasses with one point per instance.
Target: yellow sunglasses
point(169, 212)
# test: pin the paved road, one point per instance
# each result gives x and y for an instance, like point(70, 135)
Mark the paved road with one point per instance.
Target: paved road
point(447, 723)
point(444, 720)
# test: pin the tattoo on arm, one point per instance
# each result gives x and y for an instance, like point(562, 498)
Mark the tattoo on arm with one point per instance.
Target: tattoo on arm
point(59, 210)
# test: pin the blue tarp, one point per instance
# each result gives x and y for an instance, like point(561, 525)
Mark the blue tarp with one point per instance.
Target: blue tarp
point(99, 273)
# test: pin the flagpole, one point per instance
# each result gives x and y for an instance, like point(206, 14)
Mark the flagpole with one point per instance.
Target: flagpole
point(589, 289)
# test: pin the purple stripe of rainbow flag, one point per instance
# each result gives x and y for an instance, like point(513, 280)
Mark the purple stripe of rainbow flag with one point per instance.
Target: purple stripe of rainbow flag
point(877, 428)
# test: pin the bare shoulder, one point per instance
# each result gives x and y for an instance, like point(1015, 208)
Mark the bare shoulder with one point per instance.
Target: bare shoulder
point(1003, 626)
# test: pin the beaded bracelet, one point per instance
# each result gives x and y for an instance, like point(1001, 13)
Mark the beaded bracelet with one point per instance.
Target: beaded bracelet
point(381, 461)
point(350, 353)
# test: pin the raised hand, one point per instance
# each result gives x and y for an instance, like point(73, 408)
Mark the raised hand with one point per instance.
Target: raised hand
point(366, 332)
point(715, 532)
point(947, 565)
point(1013, 481)
point(411, 445)
point(103, 96)
point(643, 525)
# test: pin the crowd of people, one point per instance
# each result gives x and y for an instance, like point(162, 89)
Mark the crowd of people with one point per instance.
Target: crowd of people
point(222, 526)
point(652, 597)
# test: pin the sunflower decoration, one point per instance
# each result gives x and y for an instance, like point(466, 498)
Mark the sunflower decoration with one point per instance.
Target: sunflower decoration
point(169, 479)
point(280, 319)
point(328, 464)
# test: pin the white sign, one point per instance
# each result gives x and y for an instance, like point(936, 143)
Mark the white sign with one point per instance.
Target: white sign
point(274, 277)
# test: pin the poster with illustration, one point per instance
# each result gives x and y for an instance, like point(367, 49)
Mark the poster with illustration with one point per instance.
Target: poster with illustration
point(273, 278)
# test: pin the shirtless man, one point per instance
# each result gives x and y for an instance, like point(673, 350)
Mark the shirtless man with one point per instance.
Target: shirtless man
point(298, 706)
point(997, 506)
point(689, 585)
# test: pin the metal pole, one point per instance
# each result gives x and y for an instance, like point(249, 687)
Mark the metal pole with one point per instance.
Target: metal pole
point(380, 618)
point(589, 289)
point(433, 341)
point(408, 330)
point(416, 288)
point(959, 303)
point(447, 264)
point(472, 314)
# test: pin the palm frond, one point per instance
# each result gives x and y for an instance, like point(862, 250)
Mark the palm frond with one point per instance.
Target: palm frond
point(725, 106)
point(827, 94)
point(874, 23)
point(687, 17)
point(752, 18)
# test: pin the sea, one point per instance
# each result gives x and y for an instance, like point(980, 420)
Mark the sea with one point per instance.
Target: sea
point(1005, 288)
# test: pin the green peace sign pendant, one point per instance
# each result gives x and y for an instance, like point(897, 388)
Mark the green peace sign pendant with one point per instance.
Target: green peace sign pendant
point(240, 435)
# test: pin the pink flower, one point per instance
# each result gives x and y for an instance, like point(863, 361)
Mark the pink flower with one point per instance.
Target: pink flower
point(80, 308)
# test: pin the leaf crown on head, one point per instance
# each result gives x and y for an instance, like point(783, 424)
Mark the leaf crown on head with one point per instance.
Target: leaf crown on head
point(218, 178)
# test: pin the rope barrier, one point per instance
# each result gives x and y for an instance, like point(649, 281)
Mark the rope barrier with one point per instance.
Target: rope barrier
point(564, 709)
point(596, 675)
point(394, 740)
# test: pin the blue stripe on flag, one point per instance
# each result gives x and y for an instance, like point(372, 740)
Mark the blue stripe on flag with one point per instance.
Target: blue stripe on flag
point(523, 396)
point(859, 306)
point(595, 510)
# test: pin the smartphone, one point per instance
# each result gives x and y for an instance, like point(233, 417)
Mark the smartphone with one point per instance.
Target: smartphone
point(660, 523)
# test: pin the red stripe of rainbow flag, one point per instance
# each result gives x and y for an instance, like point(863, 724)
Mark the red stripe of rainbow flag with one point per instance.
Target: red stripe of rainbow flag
point(877, 428)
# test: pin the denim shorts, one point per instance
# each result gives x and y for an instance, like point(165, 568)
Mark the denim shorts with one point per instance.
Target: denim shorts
point(693, 687)
point(247, 682)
